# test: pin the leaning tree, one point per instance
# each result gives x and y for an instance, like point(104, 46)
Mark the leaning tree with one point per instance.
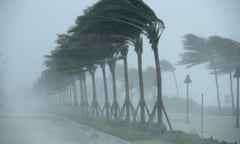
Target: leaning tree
point(227, 58)
point(168, 67)
point(114, 19)
point(125, 19)
point(198, 51)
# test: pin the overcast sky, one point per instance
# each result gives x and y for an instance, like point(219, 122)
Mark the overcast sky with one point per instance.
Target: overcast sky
point(28, 29)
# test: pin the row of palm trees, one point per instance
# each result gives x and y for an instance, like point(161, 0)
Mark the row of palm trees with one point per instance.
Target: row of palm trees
point(221, 54)
point(101, 37)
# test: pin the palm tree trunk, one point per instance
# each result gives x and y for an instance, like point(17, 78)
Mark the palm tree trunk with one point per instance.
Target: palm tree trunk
point(127, 101)
point(115, 103)
point(70, 97)
point(176, 86)
point(231, 90)
point(141, 88)
point(85, 93)
point(159, 84)
point(65, 97)
point(217, 88)
point(105, 90)
point(82, 100)
point(94, 100)
point(75, 100)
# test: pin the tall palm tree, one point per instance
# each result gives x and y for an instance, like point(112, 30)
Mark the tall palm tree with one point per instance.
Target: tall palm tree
point(142, 104)
point(51, 81)
point(126, 19)
point(95, 108)
point(149, 77)
point(168, 67)
point(115, 105)
point(199, 51)
point(106, 105)
point(227, 58)
point(83, 94)
point(72, 55)
point(154, 32)
point(122, 19)
point(75, 99)
point(127, 103)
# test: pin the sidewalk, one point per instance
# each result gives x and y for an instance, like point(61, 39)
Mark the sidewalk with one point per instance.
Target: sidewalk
point(26, 125)
point(217, 127)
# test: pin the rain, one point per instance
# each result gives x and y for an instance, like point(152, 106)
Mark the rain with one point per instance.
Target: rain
point(77, 71)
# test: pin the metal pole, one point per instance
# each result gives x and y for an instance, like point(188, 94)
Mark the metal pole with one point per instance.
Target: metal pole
point(237, 115)
point(202, 118)
point(187, 107)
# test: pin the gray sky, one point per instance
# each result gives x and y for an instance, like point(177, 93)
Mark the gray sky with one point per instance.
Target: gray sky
point(28, 30)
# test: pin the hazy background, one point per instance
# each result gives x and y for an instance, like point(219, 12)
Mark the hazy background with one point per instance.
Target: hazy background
point(28, 30)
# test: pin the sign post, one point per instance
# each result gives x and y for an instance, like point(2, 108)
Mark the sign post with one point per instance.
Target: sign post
point(187, 81)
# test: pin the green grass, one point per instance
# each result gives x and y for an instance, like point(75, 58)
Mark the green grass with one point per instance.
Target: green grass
point(137, 134)
point(116, 128)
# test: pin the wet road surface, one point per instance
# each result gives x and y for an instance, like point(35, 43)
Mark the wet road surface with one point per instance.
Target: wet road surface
point(30, 123)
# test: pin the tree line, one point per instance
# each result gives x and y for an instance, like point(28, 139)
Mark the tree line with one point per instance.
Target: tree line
point(222, 56)
point(100, 38)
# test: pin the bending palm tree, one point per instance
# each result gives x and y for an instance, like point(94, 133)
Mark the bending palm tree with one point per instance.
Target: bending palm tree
point(198, 51)
point(142, 103)
point(168, 67)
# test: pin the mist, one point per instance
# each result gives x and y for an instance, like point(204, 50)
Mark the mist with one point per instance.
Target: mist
point(29, 29)
point(29, 32)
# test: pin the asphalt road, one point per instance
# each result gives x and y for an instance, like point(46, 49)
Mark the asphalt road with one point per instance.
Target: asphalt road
point(31, 123)
point(28, 121)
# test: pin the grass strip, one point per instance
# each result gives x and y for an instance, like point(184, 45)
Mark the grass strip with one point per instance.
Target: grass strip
point(138, 134)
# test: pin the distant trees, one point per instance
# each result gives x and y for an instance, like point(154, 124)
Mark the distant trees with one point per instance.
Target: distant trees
point(149, 78)
point(221, 54)
point(168, 67)
point(227, 58)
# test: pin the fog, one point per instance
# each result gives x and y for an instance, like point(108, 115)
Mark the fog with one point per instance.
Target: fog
point(28, 30)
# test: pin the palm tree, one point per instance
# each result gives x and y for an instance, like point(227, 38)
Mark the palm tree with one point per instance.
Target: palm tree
point(82, 96)
point(119, 19)
point(168, 67)
point(51, 81)
point(227, 58)
point(127, 103)
point(115, 105)
point(128, 15)
point(95, 108)
point(106, 105)
point(83, 92)
point(70, 57)
point(142, 104)
point(149, 75)
point(198, 51)
point(75, 99)
point(154, 32)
